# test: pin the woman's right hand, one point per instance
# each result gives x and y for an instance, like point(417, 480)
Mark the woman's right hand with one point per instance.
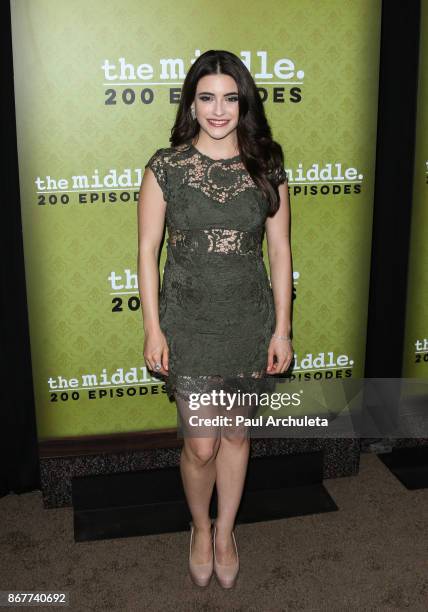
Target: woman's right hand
point(156, 351)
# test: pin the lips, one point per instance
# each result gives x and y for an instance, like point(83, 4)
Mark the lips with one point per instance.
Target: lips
point(217, 123)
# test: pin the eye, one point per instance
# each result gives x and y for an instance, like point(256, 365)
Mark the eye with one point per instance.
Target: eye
point(233, 99)
point(204, 98)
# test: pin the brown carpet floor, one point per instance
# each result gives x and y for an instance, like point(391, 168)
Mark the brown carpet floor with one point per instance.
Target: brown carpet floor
point(370, 555)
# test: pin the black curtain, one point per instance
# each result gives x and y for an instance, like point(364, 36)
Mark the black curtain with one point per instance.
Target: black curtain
point(395, 152)
point(19, 465)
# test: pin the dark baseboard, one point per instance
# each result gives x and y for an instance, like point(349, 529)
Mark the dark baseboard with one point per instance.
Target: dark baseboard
point(409, 466)
point(152, 501)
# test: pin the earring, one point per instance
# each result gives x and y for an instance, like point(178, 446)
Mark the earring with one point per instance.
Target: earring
point(192, 111)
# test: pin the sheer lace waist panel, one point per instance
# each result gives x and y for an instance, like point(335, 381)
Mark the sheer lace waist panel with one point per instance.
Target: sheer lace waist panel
point(217, 240)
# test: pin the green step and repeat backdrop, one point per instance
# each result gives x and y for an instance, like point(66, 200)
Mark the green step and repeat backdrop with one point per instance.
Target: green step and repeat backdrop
point(97, 85)
point(415, 361)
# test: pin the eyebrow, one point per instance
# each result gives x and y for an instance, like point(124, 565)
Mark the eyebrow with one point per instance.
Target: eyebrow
point(231, 93)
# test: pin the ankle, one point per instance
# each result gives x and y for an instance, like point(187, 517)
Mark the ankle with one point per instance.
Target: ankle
point(202, 527)
point(224, 530)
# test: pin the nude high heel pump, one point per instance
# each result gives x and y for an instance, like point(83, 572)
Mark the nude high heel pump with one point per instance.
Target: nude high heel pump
point(226, 574)
point(200, 572)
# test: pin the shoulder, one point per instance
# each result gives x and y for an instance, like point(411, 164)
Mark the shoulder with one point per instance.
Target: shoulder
point(163, 163)
point(278, 175)
point(168, 155)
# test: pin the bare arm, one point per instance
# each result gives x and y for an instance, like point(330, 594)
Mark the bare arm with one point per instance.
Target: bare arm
point(279, 252)
point(151, 221)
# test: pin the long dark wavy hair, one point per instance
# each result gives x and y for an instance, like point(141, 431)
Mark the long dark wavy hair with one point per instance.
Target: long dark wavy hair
point(260, 154)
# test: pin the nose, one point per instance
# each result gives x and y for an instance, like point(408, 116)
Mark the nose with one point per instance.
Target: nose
point(218, 107)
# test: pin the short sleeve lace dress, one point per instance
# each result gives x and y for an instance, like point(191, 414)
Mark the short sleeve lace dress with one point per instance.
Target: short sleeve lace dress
point(216, 304)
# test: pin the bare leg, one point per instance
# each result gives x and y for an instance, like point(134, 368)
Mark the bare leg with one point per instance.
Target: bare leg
point(198, 473)
point(231, 463)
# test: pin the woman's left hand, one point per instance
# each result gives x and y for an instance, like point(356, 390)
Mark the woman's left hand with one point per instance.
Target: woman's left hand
point(283, 351)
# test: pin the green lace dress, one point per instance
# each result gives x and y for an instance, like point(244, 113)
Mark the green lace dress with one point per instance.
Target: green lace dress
point(216, 304)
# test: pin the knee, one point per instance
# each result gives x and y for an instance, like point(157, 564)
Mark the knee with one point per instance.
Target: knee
point(201, 452)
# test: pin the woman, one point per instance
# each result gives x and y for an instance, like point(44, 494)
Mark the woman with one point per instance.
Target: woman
point(218, 322)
